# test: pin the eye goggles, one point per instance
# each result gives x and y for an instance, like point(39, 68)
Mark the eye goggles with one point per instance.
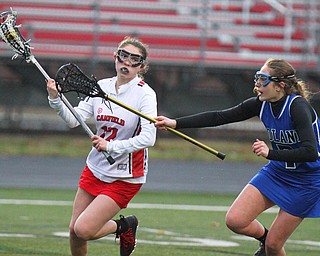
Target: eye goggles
point(134, 59)
point(262, 79)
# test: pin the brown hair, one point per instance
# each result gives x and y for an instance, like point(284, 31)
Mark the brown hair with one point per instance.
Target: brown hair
point(143, 50)
point(285, 72)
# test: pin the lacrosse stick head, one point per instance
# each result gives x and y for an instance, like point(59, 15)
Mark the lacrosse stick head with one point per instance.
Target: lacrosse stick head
point(10, 34)
point(70, 77)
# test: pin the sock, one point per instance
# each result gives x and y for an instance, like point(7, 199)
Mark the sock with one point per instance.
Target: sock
point(121, 225)
point(263, 238)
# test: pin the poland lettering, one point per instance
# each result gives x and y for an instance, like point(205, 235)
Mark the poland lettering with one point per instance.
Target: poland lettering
point(283, 136)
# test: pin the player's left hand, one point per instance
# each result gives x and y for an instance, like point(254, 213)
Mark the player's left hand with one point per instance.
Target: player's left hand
point(260, 148)
point(163, 121)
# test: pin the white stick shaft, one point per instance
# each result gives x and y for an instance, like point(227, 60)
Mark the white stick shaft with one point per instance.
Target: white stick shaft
point(70, 107)
point(35, 62)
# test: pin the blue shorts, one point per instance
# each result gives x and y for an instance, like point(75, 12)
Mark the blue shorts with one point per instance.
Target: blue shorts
point(296, 193)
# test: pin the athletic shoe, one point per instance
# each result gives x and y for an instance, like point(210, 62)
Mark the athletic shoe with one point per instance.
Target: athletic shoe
point(261, 251)
point(128, 236)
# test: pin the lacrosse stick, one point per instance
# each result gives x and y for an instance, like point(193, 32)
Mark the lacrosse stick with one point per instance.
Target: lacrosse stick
point(10, 34)
point(71, 78)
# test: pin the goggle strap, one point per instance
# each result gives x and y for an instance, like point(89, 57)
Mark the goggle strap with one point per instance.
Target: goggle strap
point(275, 78)
point(279, 79)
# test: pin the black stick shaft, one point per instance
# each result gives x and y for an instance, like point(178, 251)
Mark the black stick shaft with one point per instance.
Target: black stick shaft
point(180, 134)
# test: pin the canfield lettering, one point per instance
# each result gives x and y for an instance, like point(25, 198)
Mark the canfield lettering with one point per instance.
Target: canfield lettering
point(112, 119)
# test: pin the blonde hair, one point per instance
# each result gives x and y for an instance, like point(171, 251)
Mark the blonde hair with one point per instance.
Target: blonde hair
point(143, 50)
point(285, 72)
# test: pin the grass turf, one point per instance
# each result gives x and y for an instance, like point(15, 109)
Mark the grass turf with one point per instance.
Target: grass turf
point(161, 232)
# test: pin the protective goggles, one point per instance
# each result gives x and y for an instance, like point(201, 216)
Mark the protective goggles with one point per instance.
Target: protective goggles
point(134, 59)
point(262, 79)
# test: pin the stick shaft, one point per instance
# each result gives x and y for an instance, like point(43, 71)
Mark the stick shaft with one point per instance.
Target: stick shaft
point(180, 134)
point(70, 107)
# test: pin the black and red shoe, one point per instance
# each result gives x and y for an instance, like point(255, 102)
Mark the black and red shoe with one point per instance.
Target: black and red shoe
point(127, 229)
point(261, 250)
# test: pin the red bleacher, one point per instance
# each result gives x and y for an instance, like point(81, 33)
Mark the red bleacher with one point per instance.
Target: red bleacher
point(231, 34)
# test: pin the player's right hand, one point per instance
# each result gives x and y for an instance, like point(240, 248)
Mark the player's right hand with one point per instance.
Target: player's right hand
point(260, 148)
point(52, 89)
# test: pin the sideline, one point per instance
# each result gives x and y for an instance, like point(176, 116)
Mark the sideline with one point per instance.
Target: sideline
point(183, 207)
point(164, 237)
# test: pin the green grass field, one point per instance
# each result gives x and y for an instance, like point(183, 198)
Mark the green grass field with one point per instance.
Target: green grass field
point(37, 224)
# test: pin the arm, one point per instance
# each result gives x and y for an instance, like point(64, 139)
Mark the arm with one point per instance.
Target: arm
point(56, 103)
point(302, 116)
point(147, 136)
point(245, 110)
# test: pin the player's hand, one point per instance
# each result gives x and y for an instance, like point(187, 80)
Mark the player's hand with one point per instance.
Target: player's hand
point(163, 121)
point(99, 143)
point(260, 148)
point(52, 89)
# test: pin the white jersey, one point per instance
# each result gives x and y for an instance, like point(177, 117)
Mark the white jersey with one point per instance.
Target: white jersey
point(129, 135)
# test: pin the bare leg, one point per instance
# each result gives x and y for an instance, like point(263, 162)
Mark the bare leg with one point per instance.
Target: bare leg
point(241, 216)
point(78, 246)
point(281, 229)
point(96, 221)
point(91, 219)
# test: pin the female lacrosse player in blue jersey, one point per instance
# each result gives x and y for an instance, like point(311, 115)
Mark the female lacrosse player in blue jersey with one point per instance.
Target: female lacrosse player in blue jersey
point(105, 189)
point(291, 179)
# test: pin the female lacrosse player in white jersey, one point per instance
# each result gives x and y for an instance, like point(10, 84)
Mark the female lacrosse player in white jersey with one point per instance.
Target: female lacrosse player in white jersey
point(291, 179)
point(105, 189)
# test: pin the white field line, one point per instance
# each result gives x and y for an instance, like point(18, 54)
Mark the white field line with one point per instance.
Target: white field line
point(17, 235)
point(182, 207)
point(297, 242)
point(163, 238)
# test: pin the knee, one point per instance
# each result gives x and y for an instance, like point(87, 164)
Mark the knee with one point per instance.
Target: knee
point(233, 221)
point(273, 247)
point(80, 232)
point(72, 234)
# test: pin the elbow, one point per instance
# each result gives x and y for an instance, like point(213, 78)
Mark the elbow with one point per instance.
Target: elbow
point(148, 139)
point(152, 139)
point(150, 142)
point(73, 125)
point(313, 155)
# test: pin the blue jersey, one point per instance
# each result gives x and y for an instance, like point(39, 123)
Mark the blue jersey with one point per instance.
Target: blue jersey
point(293, 186)
point(283, 136)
